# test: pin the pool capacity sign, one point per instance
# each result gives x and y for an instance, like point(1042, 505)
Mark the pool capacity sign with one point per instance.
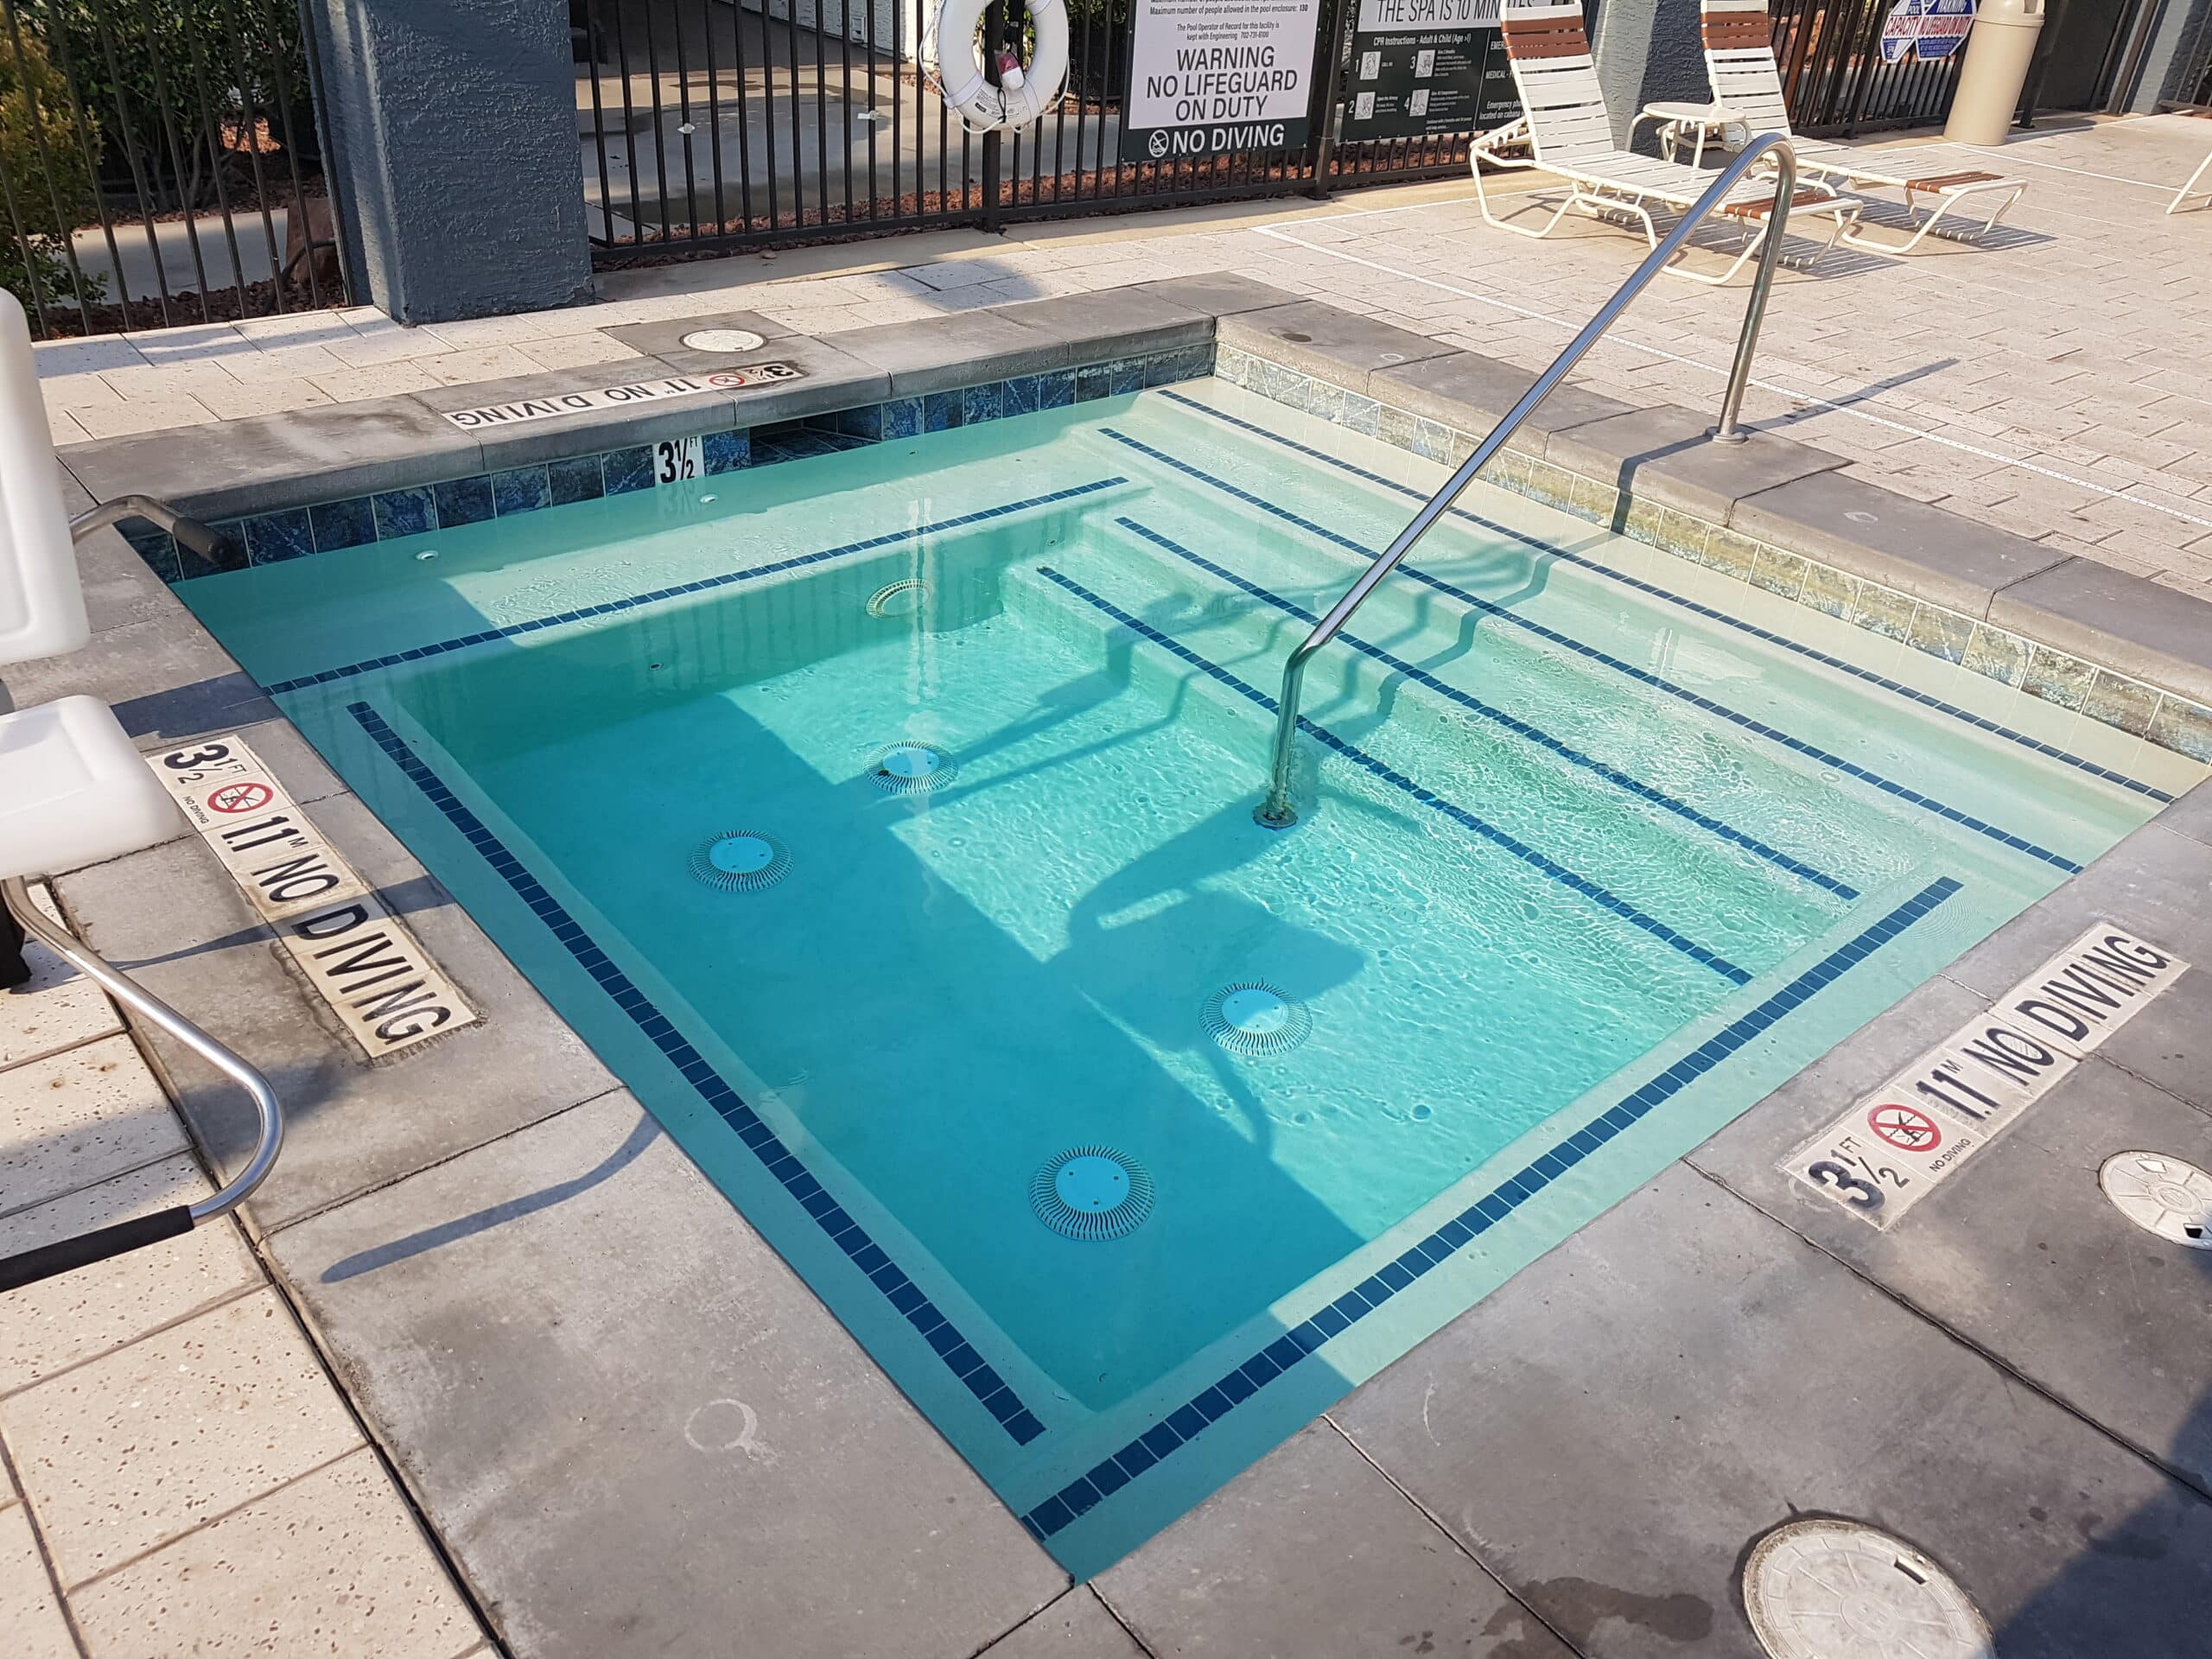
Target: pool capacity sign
point(1213, 77)
point(1420, 67)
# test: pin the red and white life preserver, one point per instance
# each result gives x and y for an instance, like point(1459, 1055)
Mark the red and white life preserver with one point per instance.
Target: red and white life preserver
point(952, 59)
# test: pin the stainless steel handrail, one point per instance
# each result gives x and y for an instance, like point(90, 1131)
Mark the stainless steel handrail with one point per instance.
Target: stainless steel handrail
point(48, 1259)
point(190, 532)
point(1276, 811)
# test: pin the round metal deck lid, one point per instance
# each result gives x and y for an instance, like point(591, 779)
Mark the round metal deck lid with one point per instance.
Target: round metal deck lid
point(2161, 1195)
point(1838, 1590)
point(724, 340)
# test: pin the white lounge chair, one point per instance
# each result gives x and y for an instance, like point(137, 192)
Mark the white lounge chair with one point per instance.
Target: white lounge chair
point(2190, 189)
point(1747, 85)
point(1568, 133)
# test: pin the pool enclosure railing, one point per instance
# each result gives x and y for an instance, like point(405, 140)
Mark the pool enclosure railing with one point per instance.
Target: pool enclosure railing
point(1276, 812)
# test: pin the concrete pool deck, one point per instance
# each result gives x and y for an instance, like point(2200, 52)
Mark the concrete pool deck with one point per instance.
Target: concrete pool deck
point(633, 1430)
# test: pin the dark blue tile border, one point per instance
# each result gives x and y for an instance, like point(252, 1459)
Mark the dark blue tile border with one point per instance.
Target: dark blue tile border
point(706, 585)
point(1643, 676)
point(1428, 798)
point(1926, 700)
point(1186, 1422)
point(995, 1394)
point(1519, 728)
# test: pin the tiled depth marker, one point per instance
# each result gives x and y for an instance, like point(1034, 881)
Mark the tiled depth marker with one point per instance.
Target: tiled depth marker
point(1187, 1422)
point(358, 957)
point(996, 1395)
point(1926, 700)
point(1894, 1147)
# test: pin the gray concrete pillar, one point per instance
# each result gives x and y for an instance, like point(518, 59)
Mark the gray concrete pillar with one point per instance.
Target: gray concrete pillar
point(452, 131)
point(1647, 52)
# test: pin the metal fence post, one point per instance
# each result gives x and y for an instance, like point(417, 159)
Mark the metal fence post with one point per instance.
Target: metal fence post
point(1325, 119)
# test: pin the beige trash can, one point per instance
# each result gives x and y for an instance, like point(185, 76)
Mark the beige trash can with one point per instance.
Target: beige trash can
point(1999, 49)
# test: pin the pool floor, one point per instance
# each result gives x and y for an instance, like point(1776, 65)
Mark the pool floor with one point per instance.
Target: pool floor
point(888, 828)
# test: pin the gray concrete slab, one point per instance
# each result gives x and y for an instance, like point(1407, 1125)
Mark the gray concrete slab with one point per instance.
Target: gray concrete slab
point(1667, 456)
point(1114, 322)
point(119, 587)
point(1216, 293)
point(1931, 553)
point(1076, 1626)
point(2017, 1251)
point(1610, 1430)
point(1473, 393)
point(163, 675)
point(267, 461)
point(1311, 1554)
point(2158, 885)
point(175, 920)
point(2124, 621)
point(638, 1432)
point(962, 349)
point(665, 340)
point(2191, 815)
point(1319, 339)
point(586, 431)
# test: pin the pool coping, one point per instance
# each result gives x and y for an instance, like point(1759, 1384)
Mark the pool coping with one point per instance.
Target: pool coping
point(172, 681)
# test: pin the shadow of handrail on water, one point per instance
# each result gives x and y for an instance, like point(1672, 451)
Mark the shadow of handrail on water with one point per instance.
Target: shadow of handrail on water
point(447, 1232)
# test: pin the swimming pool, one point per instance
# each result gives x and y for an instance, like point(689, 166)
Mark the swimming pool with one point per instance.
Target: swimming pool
point(884, 819)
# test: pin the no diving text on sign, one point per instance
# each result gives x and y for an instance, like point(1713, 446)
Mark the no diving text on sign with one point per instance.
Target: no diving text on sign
point(524, 409)
point(1895, 1145)
point(357, 956)
point(1213, 77)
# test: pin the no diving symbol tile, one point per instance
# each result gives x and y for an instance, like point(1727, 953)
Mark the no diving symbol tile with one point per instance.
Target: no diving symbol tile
point(1905, 1128)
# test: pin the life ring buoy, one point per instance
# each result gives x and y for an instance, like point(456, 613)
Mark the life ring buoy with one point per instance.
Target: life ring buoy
point(1026, 92)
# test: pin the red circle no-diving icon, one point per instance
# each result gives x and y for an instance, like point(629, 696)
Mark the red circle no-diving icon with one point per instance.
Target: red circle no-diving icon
point(1906, 1128)
point(240, 797)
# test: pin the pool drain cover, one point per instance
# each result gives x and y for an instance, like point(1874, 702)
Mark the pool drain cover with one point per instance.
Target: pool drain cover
point(909, 768)
point(1091, 1192)
point(723, 339)
point(899, 599)
point(741, 860)
point(1254, 1018)
point(1838, 1590)
point(2161, 1195)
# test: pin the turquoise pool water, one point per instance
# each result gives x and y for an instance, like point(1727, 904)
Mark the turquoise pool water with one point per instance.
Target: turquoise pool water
point(887, 826)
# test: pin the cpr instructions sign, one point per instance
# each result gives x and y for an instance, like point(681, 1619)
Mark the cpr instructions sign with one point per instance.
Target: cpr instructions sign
point(1212, 77)
point(1422, 68)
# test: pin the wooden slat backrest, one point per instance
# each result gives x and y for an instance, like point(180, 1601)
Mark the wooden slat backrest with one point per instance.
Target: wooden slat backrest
point(1550, 37)
point(1739, 60)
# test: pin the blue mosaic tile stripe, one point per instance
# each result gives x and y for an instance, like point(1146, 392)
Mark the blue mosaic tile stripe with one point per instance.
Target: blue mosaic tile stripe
point(1519, 728)
point(1643, 676)
point(1428, 798)
point(706, 585)
point(1926, 700)
point(995, 1392)
point(1188, 1420)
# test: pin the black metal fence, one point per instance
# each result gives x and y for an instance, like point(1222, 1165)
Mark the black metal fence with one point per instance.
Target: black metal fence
point(705, 125)
point(159, 164)
point(1830, 53)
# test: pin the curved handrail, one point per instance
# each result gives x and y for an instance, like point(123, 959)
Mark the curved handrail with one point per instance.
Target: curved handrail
point(46, 1260)
point(194, 534)
point(1276, 811)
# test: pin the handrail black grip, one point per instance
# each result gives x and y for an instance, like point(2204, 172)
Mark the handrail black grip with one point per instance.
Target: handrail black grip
point(28, 1267)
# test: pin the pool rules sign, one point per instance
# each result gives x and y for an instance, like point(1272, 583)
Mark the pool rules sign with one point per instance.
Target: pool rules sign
point(1214, 77)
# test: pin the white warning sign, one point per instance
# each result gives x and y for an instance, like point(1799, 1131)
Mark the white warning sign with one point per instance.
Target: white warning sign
point(358, 956)
point(1895, 1145)
point(1213, 77)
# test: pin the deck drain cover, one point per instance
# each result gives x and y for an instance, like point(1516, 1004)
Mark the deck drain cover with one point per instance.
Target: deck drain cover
point(1256, 1019)
point(909, 768)
point(2161, 1195)
point(723, 339)
point(1091, 1192)
point(899, 599)
point(741, 860)
point(1838, 1590)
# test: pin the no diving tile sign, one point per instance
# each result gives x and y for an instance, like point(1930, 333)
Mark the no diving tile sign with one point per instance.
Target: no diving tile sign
point(1897, 1145)
point(524, 410)
point(358, 956)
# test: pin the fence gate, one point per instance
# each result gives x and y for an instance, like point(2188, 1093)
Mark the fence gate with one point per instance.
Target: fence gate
point(159, 164)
